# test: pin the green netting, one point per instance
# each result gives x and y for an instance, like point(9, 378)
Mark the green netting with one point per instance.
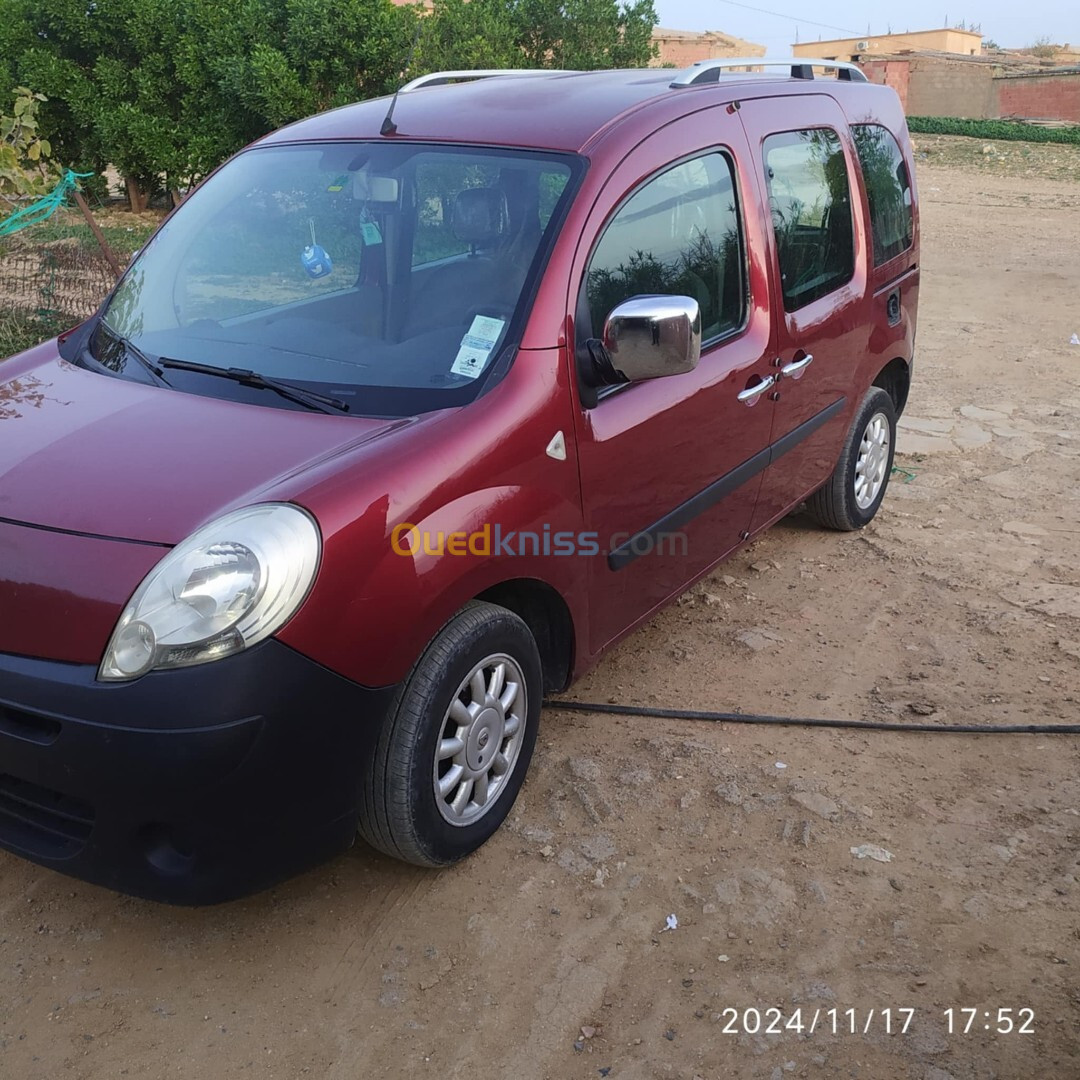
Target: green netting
point(42, 209)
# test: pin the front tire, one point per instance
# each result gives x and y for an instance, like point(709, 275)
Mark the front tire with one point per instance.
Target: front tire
point(851, 496)
point(456, 742)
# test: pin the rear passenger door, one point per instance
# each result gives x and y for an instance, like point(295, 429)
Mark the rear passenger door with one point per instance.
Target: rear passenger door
point(818, 263)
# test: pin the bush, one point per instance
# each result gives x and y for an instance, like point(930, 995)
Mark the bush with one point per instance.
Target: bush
point(1008, 130)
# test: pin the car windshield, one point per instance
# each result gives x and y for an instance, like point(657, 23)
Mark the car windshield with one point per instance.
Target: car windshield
point(391, 276)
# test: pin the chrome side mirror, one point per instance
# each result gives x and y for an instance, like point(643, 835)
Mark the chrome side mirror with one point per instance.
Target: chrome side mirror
point(647, 337)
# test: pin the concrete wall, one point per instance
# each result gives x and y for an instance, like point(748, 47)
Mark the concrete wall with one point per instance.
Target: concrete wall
point(894, 73)
point(934, 86)
point(950, 88)
point(681, 48)
point(963, 42)
point(1048, 96)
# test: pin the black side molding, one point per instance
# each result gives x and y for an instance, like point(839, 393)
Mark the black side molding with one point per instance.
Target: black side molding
point(645, 540)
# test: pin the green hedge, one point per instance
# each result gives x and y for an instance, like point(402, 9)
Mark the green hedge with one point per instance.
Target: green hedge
point(993, 129)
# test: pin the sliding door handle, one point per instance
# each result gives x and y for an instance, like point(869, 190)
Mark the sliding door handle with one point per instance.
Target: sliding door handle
point(796, 367)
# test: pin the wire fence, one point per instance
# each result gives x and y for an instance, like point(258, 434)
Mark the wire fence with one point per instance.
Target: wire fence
point(52, 277)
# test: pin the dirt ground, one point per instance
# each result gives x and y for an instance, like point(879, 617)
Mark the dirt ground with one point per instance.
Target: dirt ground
point(545, 955)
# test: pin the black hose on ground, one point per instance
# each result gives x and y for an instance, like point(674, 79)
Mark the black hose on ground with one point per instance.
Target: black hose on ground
point(793, 721)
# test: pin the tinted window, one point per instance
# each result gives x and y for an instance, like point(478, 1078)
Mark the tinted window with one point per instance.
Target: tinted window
point(888, 190)
point(811, 210)
point(678, 235)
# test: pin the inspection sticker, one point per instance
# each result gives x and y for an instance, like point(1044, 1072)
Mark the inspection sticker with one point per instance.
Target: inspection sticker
point(476, 346)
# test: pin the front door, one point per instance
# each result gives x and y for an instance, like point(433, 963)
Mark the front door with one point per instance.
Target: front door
point(818, 259)
point(670, 468)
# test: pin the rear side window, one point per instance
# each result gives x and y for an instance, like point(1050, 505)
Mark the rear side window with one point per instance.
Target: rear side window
point(680, 235)
point(810, 200)
point(888, 190)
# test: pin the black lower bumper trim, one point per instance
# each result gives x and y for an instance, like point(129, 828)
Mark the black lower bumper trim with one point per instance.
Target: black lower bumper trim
point(191, 786)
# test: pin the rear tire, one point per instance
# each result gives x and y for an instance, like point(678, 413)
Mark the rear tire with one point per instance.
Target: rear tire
point(456, 742)
point(851, 496)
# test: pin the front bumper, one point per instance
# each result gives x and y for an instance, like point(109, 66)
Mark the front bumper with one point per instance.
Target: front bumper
point(191, 786)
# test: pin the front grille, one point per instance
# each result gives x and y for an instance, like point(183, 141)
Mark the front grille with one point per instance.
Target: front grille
point(41, 821)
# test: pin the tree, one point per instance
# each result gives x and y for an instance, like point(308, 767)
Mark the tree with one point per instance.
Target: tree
point(1043, 48)
point(166, 89)
point(25, 167)
point(571, 34)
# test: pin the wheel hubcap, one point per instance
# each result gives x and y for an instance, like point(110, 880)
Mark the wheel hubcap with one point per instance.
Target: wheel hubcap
point(872, 463)
point(480, 740)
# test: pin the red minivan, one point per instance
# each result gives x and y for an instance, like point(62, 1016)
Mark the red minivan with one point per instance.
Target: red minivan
point(399, 421)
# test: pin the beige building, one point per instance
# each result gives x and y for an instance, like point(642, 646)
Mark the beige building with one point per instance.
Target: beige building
point(957, 42)
point(681, 48)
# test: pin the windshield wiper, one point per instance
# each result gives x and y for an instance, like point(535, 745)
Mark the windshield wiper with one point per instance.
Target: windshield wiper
point(246, 377)
point(131, 349)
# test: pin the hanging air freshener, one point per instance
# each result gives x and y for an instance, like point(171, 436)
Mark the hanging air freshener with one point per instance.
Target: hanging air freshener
point(315, 260)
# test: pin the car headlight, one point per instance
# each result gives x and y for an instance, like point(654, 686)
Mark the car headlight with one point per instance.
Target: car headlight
point(224, 588)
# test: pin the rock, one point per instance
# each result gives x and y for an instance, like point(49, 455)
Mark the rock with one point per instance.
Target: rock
point(973, 412)
point(970, 436)
point(598, 847)
point(587, 1032)
point(1009, 483)
point(1047, 598)
point(547, 851)
point(817, 804)
point(927, 427)
point(872, 851)
point(907, 443)
point(1070, 648)
point(572, 862)
point(922, 708)
point(729, 792)
point(584, 768)
point(758, 638)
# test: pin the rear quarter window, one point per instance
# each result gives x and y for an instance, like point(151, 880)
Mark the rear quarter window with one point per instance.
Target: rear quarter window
point(810, 203)
point(888, 190)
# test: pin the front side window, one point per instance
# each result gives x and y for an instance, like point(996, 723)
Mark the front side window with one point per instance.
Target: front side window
point(888, 190)
point(678, 235)
point(810, 201)
point(388, 275)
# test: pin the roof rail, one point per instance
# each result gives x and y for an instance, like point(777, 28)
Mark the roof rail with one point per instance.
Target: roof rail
point(441, 78)
point(709, 71)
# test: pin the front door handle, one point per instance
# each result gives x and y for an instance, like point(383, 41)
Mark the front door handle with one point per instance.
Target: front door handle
point(796, 367)
point(752, 392)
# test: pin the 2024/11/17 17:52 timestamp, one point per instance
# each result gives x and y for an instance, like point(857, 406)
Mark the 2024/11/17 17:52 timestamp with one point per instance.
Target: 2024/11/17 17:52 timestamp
point(999, 1021)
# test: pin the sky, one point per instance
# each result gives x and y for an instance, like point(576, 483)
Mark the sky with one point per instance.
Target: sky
point(1010, 24)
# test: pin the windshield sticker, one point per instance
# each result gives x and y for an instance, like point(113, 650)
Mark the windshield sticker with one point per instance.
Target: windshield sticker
point(340, 183)
point(370, 233)
point(477, 345)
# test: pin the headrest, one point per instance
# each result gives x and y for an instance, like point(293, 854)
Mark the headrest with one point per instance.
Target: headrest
point(480, 215)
